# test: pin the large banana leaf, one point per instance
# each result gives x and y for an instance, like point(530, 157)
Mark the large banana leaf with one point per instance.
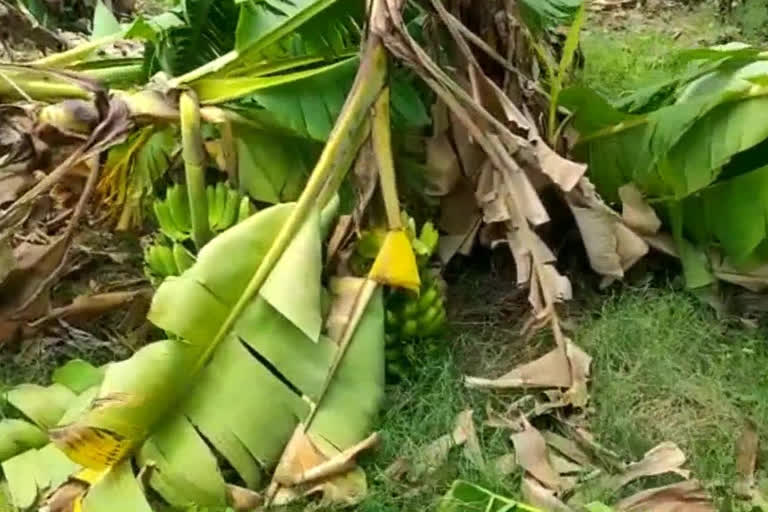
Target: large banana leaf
point(701, 159)
point(31, 465)
point(185, 401)
point(207, 33)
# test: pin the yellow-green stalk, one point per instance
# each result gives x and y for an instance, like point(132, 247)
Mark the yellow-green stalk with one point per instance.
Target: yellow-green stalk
point(18, 88)
point(78, 53)
point(193, 153)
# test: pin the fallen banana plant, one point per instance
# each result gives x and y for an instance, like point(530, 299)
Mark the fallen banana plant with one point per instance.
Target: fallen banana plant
point(321, 391)
point(281, 98)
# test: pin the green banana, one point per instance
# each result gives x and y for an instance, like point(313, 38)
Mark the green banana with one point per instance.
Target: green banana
point(182, 257)
point(165, 220)
point(176, 196)
point(229, 212)
point(160, 261)
point(226, 208)
point(210, 194)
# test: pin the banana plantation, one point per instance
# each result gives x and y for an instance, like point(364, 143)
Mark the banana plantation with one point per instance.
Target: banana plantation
point(258, 202)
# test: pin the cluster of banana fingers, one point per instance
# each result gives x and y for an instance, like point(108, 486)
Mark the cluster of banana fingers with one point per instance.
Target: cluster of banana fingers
point(414, 323)
point(169, 256)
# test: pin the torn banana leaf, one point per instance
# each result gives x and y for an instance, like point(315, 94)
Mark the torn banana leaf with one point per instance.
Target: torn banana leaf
point(182, 403)
point(31, 465)
point(467, 497)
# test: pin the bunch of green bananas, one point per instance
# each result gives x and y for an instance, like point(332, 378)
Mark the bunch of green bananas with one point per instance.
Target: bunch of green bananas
point(413, 323)
point(168, 256)
point(226, 207)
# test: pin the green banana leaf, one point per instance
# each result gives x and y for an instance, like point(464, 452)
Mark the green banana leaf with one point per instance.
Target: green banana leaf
point(700, 159)
point(540, 15)
point(464, 496)
point(271, 167)
point(183, 402)
point(31, 465)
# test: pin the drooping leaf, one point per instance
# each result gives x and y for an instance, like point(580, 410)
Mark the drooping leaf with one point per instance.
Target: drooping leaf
point(167, 398)
point(272, 168)
point(541, 15)
point(104, 21)
point(307, 106)
point(78, 375)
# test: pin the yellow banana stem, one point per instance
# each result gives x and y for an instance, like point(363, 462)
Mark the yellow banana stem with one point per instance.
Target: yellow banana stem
point(368, 83)
point(382, 149)
point(193, 153)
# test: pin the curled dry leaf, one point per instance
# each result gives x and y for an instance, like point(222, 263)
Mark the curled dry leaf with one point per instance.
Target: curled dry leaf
point(505, 464)
point(85, 307)
point(558, 368)
point(242, 498)
point(66, 497)
point(443, 171)
point(314, 466)
point(755, 279)
point(465, 434)
point(532, 455)
point(580, 362)
point(23, 292)
point(550, 370)
point(636, 213)
point(567, 447)
point(541, 497)
point(611, 246)
point(663, 458)
point(13, 185)
point(434, 454)
point(746, 460)
point(687, 496)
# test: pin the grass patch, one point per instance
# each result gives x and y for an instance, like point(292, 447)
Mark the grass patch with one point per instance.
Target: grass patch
point(618, 61)
point(666, 369)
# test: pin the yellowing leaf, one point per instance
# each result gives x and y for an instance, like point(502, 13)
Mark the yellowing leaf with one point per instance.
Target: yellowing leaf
point(395, 265)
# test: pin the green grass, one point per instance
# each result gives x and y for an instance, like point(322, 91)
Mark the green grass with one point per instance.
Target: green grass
point(666, 369)
point(618, 61)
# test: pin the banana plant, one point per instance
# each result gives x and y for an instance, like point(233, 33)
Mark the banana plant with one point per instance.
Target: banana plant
point(698, 159)
point(248, 315)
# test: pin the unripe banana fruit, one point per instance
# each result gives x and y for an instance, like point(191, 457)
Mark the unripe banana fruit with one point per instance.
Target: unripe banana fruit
point(413, 323)
point(226, 207)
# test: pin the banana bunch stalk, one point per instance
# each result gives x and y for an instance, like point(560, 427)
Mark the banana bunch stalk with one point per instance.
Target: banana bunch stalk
point(169, 256)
